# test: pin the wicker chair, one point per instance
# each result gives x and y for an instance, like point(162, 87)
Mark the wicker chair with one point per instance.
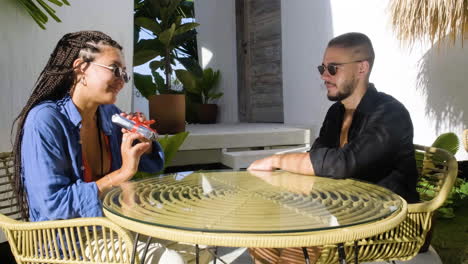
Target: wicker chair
point(438, 171)
point(81, 240)
point(465, 139)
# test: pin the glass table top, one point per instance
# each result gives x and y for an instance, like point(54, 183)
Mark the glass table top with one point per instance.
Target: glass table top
point(250, 202)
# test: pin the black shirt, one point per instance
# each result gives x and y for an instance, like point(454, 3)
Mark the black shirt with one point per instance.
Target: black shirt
point(380, 145)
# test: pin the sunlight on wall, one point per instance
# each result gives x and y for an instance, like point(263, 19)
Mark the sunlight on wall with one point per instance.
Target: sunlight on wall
point(206, 56)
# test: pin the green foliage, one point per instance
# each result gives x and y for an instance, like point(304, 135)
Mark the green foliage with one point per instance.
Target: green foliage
point(38, 14)
point(449, 142)
point(170, 146)
point(201, 89)
point(457, 196)
point(450, 236)
point(163, 19)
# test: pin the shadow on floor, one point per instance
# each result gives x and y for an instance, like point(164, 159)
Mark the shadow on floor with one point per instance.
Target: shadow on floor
point(241, 256)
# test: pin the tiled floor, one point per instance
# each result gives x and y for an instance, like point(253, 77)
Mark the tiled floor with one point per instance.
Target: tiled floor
point(241, 256)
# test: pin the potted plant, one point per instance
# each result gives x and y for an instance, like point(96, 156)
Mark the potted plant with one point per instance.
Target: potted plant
point(164, 20)
point(202, 91)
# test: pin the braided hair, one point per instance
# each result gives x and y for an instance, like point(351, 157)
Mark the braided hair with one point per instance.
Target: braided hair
point(56, 80)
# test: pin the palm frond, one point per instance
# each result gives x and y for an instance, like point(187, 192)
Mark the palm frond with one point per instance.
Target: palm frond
point(40, 10)
point(431, 20)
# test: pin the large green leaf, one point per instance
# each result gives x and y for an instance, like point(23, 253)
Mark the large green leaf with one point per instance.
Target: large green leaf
point(192, 66)
point(149, 24)
point(178, 21)
point(188, 47)
point(188, 81)
point(171, 144)
point(159, 82)
point(448, 141)
point(186, 9)
point(186, 27)
point(150, 44)
point(155, 65)
point(143, 56)
point(165, 22)
point(144, 84)
point(166, 36)
point(153, 7)
point(171, 10)
point(182, 38)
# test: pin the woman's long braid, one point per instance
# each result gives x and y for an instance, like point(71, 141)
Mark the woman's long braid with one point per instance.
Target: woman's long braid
point(55, 81)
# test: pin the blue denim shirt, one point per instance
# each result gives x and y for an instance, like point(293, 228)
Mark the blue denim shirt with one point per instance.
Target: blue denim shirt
point(52, 165)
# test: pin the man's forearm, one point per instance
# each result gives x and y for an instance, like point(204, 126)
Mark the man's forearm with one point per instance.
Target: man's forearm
point(294, 162)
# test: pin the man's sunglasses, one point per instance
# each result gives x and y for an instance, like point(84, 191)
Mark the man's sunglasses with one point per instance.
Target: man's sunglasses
point(332, 68)
point(119, 72)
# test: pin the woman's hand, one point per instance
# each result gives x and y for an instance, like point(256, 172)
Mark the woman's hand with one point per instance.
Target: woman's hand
point(131, 153)
point(133, 146)
point(141, 117)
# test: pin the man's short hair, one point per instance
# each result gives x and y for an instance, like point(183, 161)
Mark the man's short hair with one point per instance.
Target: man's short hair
point(359, 43)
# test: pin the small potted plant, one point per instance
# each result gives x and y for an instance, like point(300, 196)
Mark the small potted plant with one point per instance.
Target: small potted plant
point(202, 91)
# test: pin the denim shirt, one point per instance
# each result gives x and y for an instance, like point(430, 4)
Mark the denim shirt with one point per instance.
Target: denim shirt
point(52, 165)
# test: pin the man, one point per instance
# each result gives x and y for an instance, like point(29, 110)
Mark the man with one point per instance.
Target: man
point(366, 134)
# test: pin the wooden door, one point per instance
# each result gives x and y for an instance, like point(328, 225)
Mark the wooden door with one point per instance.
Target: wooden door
point(260, 91)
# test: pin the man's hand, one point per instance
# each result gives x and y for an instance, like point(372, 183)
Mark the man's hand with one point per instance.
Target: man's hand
point(292, 162)
point(296, 183)
point(265, 164)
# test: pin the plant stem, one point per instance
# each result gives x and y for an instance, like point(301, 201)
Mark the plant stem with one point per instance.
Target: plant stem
point(168, 70)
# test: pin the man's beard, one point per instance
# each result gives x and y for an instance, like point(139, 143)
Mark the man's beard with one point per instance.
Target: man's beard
point(348, 89)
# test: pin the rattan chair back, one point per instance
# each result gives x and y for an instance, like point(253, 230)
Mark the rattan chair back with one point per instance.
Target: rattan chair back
point(81, 240)
point(438, 171)
point(8, 201)
point(465, 139)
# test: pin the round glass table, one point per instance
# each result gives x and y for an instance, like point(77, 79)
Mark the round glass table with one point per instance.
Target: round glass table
point(254, 209)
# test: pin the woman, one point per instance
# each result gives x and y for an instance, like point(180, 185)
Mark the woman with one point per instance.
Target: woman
point(67, 151)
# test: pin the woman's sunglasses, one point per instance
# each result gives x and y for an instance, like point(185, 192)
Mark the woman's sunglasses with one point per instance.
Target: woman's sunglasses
point(332, 68)
point(119, 72)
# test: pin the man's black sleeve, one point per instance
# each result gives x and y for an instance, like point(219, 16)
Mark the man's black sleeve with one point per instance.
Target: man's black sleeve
point(384, 134)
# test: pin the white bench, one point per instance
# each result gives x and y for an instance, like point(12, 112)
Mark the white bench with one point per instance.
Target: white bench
point(242, 159)
point(237, 145)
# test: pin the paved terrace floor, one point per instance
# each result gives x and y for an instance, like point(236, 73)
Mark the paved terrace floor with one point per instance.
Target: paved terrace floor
point(241, 256)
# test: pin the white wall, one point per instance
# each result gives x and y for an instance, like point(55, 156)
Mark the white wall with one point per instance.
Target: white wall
point(25, 48)
point(217, 49)
point(430, 81)
point(306, 27)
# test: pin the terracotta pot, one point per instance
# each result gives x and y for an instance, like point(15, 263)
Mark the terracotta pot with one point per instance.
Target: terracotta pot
point(169, 112)
point(207, 113)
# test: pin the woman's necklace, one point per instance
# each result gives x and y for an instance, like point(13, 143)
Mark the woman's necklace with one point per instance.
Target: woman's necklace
point(101, 154)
